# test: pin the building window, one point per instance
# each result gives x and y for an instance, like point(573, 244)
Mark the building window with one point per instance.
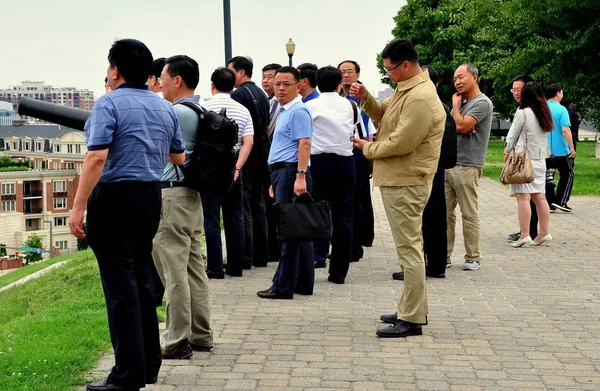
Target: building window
point(39, 147)
point(78, 148)
point(70, 166)
point(15, 146)
point(8, 189)
point(59, 186)
point(79, 167)
point(60, 221)
point(57, 165)
point(26, 146)
point(39, 164)
point(60, 203)
point(8, 206)
point(69, 148)
point(57, 148)
point(62, 245)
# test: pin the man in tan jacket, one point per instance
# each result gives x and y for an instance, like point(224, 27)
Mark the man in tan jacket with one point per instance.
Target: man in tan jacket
point(405, 160)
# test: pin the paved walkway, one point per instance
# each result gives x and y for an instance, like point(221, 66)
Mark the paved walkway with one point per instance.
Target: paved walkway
point(528, 319)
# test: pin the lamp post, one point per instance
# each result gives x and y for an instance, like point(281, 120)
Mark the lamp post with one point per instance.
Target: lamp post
point(290, 47)
point(227, 29)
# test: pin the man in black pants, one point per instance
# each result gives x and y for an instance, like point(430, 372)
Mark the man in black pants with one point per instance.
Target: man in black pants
point(119, 182)
point(435, 235)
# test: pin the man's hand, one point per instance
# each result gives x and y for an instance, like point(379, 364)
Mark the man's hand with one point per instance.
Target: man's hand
point(271, 193)
point(358, 142)
point(76, 222)
point(456, 99)
point(572, 154)
point(300, 185)
point(358, 90)
point(236, 175)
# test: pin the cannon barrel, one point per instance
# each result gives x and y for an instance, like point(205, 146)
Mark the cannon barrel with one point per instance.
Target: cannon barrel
point(57, 114)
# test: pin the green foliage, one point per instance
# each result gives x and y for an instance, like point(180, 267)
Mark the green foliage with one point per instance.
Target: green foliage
point(34, 241)
point(13, 169)
point(554, 41)
point(7, 164)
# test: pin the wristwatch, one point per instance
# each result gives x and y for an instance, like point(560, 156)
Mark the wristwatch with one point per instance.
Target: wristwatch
point(301, 172)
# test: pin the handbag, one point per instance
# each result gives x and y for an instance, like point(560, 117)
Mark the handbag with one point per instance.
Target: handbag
point(305, 221)
point(518, 168)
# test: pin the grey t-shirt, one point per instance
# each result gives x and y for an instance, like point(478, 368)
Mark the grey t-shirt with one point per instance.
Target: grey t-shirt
point(472, 148)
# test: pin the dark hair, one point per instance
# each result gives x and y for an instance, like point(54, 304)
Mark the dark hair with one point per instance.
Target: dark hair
point(132, 58)
point(241, 62)
point(552, 90)
point(434, 76)
point(184, 67)
point(399, 50)
point(105, 80)
point(328, 78)
point(523, 78)
point(271, 67)
point(532, 96)
point(224, 79)
point(157, 66)
point(291, 70)
point(356, 66)
point(309, 71)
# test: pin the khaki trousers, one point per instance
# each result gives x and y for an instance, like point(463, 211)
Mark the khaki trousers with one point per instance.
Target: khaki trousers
point(404, 209)
point(461, 188)
point(176, 252)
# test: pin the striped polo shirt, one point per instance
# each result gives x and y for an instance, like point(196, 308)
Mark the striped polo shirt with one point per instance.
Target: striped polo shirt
point(235, 111)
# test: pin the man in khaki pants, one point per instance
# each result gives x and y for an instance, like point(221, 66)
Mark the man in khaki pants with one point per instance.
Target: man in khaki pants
point(472, 112)
point(405, 161)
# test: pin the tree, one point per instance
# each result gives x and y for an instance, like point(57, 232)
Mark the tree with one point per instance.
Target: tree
point(5, 161)
point(33, 241)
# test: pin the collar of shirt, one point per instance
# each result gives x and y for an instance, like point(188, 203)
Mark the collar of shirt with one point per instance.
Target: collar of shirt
point(413, 81)
point(311, 96)
point(133, 85)
point(221, 95)
point(194, 99)
point(291, 103)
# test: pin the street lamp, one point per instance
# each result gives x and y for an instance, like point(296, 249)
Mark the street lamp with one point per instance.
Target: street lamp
point(290, 47)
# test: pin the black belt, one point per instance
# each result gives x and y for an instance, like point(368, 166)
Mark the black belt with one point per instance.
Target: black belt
point(278, 165)
point(168, 185)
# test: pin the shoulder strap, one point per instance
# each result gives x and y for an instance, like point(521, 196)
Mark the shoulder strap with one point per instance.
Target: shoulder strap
point(255, 101)
point(525, 127)
point(198, 109)
point(356, 120)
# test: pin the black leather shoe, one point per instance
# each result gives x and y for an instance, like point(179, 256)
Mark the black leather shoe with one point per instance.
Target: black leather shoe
point(398, 276)
point(391, 318)
point(513, 237)
point(233, 274)
point(104, 385)
point(303, 292)
point(336, 280)
point(182, 353)
point(320, 265)
point(269, 294)
point(215, 275)
point(400, 329)
point(151, 379)
point(200, 348)
point(434, 275)
point(263, 264)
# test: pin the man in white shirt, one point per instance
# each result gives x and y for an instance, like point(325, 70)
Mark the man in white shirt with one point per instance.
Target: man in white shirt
point(332, 167)
point(222, 83)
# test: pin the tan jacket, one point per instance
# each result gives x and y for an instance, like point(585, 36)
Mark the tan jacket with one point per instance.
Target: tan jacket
point(411, 127)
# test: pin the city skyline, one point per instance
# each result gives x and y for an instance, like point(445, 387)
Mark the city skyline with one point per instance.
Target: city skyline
point(84, 36)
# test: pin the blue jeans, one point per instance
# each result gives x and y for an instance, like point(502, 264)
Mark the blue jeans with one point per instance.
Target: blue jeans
point(233, 223)
point(295, 271)
point(334, 180)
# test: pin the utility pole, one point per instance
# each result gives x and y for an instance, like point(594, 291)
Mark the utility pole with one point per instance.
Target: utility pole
point(227, 28)
point(51, 222)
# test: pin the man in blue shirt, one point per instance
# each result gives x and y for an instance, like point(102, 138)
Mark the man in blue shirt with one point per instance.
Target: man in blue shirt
point(130, 134)
point(288, 163)
point(308, 81)
point(562, 150)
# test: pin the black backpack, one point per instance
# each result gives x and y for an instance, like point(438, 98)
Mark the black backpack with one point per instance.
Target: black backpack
point(212, 164)
point(449, 142)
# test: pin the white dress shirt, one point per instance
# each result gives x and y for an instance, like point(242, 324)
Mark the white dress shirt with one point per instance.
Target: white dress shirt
point(333, 124)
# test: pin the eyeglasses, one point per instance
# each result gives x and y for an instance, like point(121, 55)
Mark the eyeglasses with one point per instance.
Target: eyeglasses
point(347, 72)
point(394, 68)
point(284, 84)
point(513, 90)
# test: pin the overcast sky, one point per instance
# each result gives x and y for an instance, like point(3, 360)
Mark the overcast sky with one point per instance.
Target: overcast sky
point(66, 42)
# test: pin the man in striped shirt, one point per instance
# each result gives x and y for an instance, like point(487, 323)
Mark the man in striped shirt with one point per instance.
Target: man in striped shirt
point(222, 83)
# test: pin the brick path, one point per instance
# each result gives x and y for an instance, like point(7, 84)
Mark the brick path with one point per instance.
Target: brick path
point(528, 319)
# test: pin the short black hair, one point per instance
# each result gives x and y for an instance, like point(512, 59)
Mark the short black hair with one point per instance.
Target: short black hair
point(309, 71)
point(241, 62)
point(291, 70)
point(157, 66)
point(184, 67)
point(224, 79)
point(552, 90)
point(105, 80)
point(524, 78)
point(132, 58)
point(271, 67)
point(356, 66)
point(399, 50)
point(434, 76)
point(329, 78)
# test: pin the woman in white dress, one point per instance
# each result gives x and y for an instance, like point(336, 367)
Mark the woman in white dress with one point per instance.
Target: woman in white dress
point(534, 119)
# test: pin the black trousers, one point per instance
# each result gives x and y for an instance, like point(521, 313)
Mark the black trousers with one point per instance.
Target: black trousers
point(364, 221)
point(435, 228)
point(255, 215)
point(564, 165)
point(274, 247)
point(122, 219)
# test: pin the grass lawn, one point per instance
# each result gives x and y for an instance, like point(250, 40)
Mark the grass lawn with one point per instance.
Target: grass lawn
point(53, 329)
point(29, 269)
point(587, 167)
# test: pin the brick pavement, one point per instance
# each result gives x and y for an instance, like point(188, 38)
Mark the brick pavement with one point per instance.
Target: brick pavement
point(527, 320)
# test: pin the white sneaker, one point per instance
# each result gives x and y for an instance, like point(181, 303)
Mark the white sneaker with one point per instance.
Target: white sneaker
point(471, 265)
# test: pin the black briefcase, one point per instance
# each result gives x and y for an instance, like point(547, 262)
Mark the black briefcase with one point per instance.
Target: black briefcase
point(303, 220)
